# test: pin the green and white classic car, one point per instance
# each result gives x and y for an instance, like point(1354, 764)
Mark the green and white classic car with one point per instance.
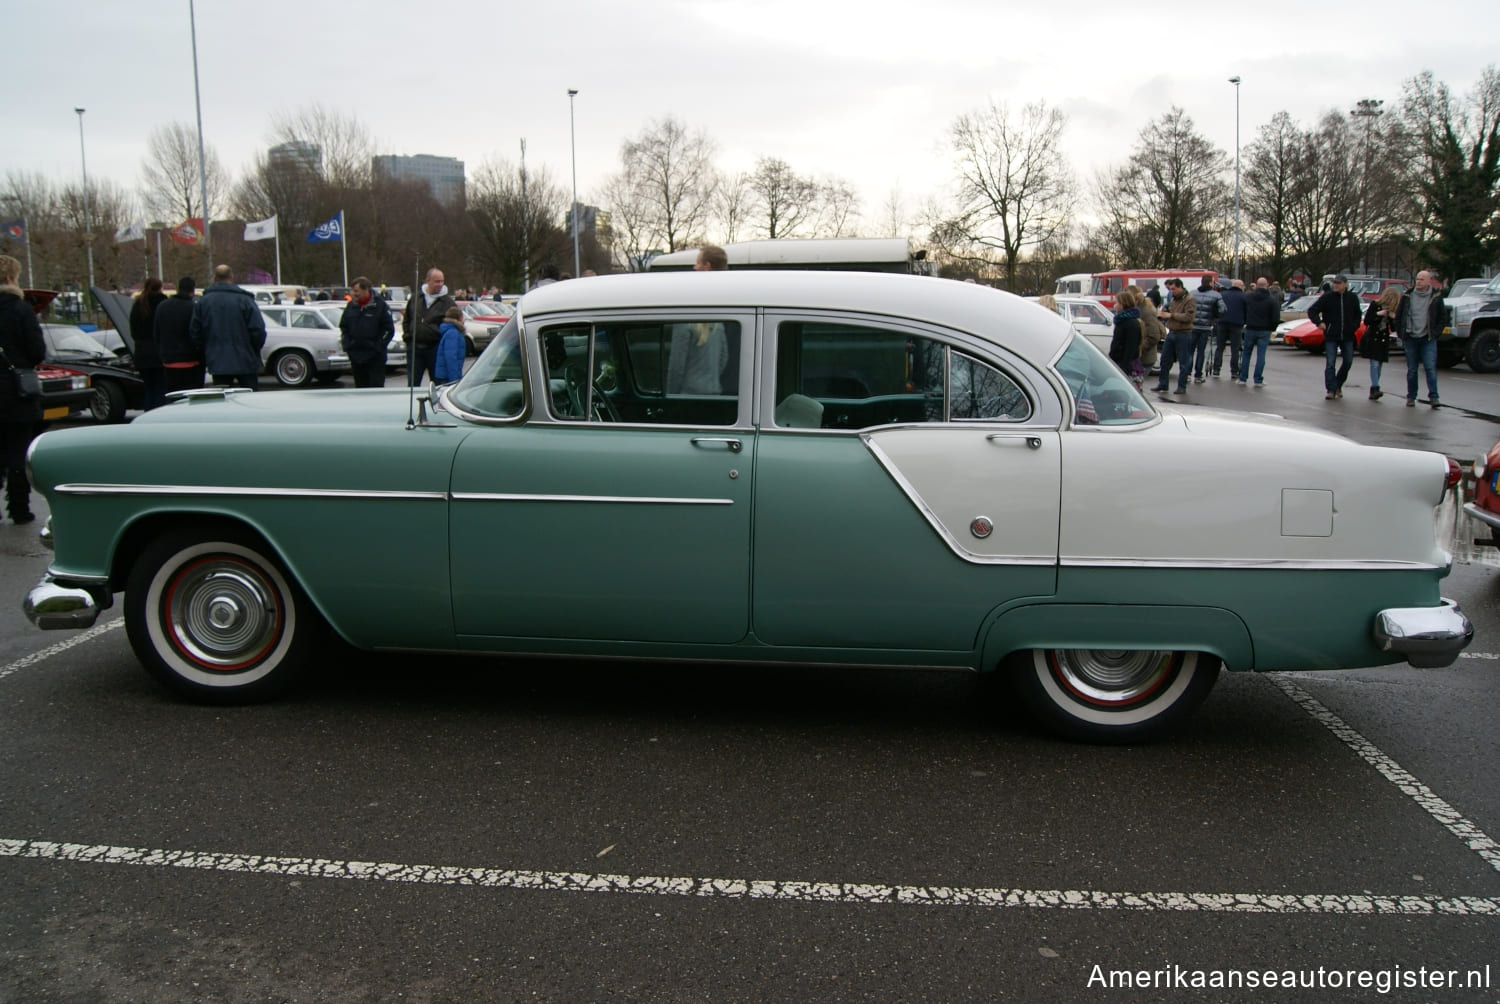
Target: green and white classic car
point(788, 467)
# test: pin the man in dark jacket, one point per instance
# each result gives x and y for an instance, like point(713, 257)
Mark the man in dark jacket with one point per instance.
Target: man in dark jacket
point(367, 328)
point(1262, 315)
point(228, 329)
point(1209, 306)
point(23, 348)
point(181, 360)
point(1338, 313)
point(1231, 329)
point(420, 323)
point(1420, 318)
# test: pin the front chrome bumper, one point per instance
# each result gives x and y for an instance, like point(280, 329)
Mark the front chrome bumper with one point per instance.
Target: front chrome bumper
point(53, 606)
point(1429, 637)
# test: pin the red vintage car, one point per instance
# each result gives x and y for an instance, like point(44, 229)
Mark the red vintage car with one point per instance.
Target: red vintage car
point(1484, 506)
point(1309, 336)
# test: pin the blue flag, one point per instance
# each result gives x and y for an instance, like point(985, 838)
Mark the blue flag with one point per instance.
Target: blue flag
point(333, 230)
point(14, 230)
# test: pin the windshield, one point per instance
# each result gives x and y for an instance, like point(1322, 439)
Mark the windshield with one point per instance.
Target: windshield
point(495, 386)
point(1102, 395)
point(67, 342)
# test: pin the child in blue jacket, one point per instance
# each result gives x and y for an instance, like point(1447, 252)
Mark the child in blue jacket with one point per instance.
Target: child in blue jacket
point(449, 365)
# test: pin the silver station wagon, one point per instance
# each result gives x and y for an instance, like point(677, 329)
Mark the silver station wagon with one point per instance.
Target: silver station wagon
point(788, 467)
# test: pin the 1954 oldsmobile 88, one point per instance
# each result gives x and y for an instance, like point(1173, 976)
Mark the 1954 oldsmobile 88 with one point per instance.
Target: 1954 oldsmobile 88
point(782, 467)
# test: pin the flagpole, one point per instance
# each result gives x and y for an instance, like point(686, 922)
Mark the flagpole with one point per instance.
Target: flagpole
point(161, 272)
point(26, 232)
point(344, 245)
point(202, 160)
point(277, 238)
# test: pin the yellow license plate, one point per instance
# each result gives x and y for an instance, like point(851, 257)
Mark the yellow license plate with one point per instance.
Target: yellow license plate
point(51, 413)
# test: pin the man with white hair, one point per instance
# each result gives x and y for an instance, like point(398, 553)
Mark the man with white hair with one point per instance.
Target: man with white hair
point(1420, 318)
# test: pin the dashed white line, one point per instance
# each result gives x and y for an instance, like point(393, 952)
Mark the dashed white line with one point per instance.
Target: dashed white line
point(1472, 836)
point(1479, 655)
point(60, 647)
point(847, 893)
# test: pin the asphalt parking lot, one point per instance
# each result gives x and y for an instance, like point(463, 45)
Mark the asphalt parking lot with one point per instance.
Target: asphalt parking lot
point(447, 829)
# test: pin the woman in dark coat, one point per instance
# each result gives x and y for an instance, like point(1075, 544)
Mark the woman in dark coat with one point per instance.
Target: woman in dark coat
point(146, 355)
point(1125, 345)
point(24, 348)
point(1380, 321)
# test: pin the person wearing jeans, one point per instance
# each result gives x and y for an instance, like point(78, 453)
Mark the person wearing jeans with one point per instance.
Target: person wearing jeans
point(1337, 313)
point(1420, 319)
point(1178, 317)
point(1262, 314)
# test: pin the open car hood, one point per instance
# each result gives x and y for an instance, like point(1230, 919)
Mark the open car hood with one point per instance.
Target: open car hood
point(117, 308)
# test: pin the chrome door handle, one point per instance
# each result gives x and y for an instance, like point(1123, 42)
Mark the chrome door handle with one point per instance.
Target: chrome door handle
point(703, 442)
point(1032, 442)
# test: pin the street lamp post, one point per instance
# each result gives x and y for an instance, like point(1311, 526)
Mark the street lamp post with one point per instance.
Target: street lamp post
point(1236, 82)
point(88, 229)
point(573, 140)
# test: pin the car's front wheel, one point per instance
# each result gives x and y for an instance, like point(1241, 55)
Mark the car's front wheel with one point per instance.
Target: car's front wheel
point(1102, 696)
point(1483, 353)
point(293, 368)
point(107, 403)
point(214, 617)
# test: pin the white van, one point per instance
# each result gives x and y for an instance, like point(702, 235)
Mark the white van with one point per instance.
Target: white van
point(1076, 284)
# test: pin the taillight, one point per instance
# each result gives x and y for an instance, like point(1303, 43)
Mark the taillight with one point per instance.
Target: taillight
point(1455, 473)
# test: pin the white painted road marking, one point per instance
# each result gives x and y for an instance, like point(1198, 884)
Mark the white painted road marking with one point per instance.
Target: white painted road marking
point(1472, 836)
point(847, 893)
point(1479, 655)
point(60, 647)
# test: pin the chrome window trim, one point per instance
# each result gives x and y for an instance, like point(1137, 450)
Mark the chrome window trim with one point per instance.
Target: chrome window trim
point(608, 499)
point(1323, 564)
point(240, 491)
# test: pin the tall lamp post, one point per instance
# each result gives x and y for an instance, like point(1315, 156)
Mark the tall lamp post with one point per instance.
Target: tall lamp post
point(573, 140)
point(1236, 82)
point(88, 228)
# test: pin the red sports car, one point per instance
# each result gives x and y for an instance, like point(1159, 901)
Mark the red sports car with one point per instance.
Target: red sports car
point(1484, 507)
point(1309, 336)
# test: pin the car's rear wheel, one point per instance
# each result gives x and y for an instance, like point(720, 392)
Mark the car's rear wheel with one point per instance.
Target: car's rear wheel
point(293, 368)
point(107, 403)
point(1107, 696)
point(214, 617)
point(1484, 351)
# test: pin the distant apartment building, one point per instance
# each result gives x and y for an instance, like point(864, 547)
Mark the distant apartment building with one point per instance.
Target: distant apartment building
point(591, 220)
point(444, 176)
point(296, 154)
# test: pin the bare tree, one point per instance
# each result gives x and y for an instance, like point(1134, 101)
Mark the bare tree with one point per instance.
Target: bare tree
point(894, 219)
point(667, 185)
point(838, 208)
point(784, 201)
point(732, 205)
point(1458, 185)
point(170, 189)
point(1015, 189)
point(1166, 205)
point(1277, 166)
point(516, 222)
point(343, 143)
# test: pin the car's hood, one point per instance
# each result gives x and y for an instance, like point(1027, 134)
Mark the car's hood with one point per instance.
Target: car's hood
point(315, 408)
point(117, 308)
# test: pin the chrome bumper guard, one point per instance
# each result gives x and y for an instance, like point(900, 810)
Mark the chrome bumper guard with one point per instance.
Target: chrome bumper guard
point(1482, 515)
point(1429, 637)
point(53, 606)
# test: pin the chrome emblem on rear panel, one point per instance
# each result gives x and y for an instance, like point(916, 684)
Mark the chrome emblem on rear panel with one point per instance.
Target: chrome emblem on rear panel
point(981, 527)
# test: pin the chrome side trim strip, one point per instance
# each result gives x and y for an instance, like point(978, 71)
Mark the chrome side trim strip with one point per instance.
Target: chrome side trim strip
point(229, 491)
point(1320, 564)
point(638, 499)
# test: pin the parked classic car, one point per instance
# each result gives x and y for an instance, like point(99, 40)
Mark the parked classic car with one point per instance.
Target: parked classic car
point(1307, 335)
point(786, 467)
point(114, 381)
point(302, 343)
point(1484, 507)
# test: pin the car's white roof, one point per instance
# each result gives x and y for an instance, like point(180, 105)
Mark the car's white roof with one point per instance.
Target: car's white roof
point(998, 316)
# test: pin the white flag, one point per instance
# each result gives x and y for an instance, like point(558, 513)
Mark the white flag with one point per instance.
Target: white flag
point(133, 231)
point(261, 231)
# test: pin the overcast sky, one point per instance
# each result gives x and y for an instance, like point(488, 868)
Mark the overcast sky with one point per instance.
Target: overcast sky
point(864, 90)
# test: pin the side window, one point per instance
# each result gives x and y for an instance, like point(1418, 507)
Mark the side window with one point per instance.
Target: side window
point(272, 316)
point(306, 319)
point(843, 376)
point(679, 372)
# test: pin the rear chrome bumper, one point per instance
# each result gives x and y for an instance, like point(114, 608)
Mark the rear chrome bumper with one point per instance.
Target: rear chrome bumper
point(52, 606)
point(1429, 637)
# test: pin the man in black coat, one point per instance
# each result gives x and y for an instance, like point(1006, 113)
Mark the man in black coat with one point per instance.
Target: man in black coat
point(181, 359)
point(420, 323)
point(367, 328)
point(1262, 315)
point(23, 348)
point(1337, 312)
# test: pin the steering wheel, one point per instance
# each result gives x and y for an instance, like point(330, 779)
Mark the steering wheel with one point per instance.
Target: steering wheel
point(604, 408)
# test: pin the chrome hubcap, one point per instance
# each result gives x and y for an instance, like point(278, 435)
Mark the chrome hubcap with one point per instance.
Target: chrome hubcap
point(1115, 678)
point(223, 614)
